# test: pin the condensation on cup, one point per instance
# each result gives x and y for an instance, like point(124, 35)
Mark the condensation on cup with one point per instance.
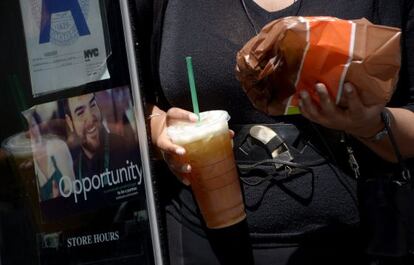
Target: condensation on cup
point(213, 177)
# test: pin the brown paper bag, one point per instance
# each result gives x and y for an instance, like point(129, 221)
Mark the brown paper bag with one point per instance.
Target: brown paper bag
point(294, 53)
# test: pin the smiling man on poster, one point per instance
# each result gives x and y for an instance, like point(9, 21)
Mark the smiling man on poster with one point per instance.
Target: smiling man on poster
point(106, 165)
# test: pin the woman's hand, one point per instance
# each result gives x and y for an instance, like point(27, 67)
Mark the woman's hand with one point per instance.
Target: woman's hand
point(171, 152)
point(354, 118)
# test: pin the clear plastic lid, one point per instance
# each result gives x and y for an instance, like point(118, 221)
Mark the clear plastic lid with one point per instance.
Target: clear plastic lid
point(18, 145)
point(211, 122)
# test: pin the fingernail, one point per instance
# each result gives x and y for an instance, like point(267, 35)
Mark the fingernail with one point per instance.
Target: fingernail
point(348, 88)
point(304, 94)
point(186, 182)
point(320, 88)
point(180, 151)
point(192, 117)
point(186, 168)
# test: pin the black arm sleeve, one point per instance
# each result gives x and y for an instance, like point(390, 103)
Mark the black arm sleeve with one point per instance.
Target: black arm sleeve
point(148, 22)
point(404, 95)
point(409, 48)
point(142, 17)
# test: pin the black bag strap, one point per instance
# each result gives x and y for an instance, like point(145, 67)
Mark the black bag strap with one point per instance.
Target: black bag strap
point(386, 117)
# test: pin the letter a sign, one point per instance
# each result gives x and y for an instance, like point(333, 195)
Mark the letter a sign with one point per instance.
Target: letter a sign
point(58, 35)
point(50, 7)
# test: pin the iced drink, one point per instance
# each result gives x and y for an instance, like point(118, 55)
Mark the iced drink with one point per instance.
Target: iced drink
point(20, 157)
point(214, 179)
point(19, 149)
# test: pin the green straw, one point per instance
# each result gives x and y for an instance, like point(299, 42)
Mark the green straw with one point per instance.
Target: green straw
point(192, 86)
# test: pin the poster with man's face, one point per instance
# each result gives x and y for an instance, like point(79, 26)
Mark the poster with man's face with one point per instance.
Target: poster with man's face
point(85, 153)
point(91, 198)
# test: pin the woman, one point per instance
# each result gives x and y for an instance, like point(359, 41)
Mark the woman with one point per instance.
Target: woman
point(283, 229)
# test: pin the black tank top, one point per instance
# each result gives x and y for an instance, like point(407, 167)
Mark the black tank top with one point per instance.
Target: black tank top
point(212, 32)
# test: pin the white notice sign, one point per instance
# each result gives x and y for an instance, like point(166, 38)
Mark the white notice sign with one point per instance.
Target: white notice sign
point(65, 43)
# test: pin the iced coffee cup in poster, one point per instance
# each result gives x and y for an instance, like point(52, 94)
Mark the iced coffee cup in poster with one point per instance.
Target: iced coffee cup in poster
point(85, 153)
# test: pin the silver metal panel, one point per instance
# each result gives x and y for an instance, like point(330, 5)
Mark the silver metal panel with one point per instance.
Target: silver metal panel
point(141, 129)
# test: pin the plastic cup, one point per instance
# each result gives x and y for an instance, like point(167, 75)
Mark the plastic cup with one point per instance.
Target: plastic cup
point(18, 148)
point(214, 178)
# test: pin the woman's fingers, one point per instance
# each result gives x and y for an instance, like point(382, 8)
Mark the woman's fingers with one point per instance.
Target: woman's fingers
point(327, 114)
point(167, 146)
point(355, 118)
point(180, 114)
point(177, 167)
point(231, 133)
point(163, 141)
point(354, 101)
point(365, 120)
point(307, 107)
point(326, 103)
point(185, 181)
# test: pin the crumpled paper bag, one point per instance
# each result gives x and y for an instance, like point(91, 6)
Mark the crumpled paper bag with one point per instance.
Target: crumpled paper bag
point(294, 53)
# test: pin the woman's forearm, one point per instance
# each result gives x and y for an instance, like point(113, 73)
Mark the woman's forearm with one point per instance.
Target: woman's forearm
point(156, 120)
